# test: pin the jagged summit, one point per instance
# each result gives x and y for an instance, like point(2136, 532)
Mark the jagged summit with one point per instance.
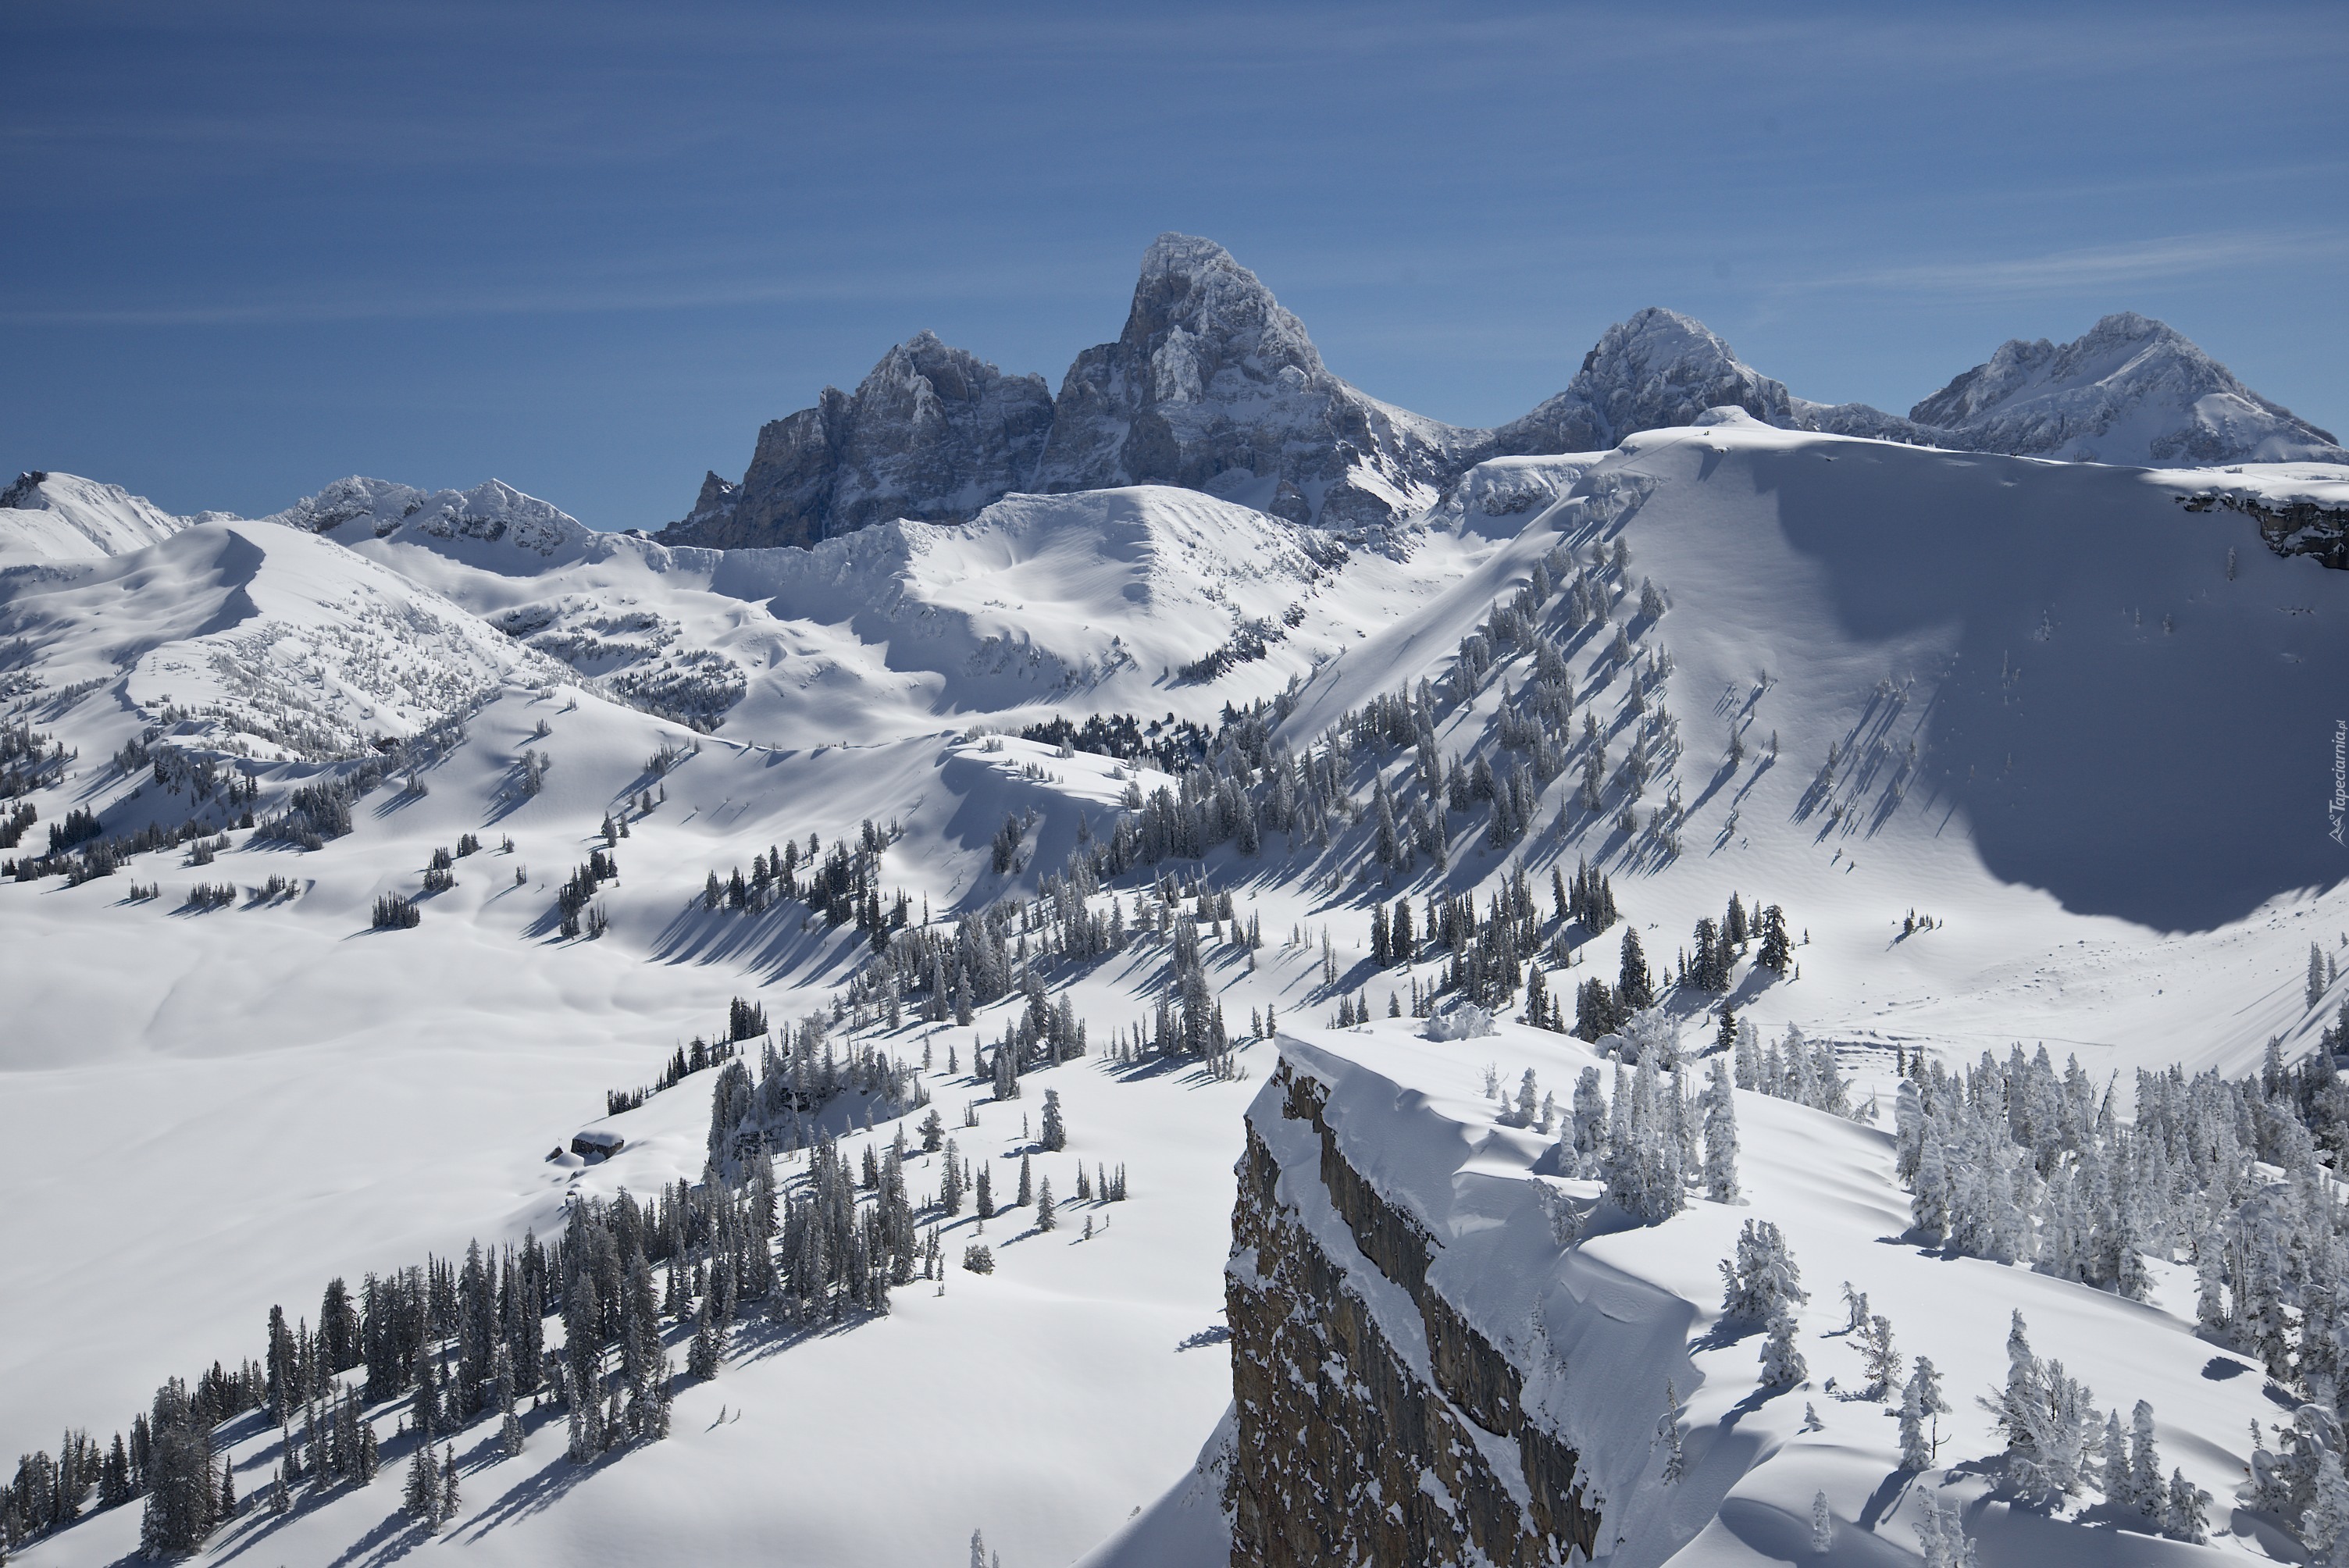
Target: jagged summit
point(1662, 368)
point(933, 433)
point(1212, 385)
point(2131, 390)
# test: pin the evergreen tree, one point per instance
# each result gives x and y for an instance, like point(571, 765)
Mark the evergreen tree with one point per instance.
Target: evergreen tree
point(1777, 953)
point(1045, 1218)
point(1668, 1434)
point(1026, 1184)
point(1633, 987)
point(448, 1483)
point(1721, 1134)
point(420, 1498)
point(1882, 1362)
point(1764, 1279)
point(2315, 990)
point(2145, 1484)
point(2185, 1518)
point(1822, 1524)
point(985, 1196)
point(1920, 1406)
point(1782, 1358)
point(1055, 1135)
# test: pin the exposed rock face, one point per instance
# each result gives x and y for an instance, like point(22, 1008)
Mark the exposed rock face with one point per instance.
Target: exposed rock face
point(932, 434)
point(2132, 390)
point(1214, 387)
point(2290, 527)
point(1662, 368)
point(1351, 1446)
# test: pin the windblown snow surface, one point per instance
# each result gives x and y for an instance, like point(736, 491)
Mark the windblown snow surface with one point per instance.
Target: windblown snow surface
point(2088, 731)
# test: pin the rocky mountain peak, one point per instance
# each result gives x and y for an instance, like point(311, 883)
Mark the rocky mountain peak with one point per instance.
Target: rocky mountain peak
point(1214, 385)
point(1656, 369)
point(2129, 390)
point(932, 432)
point(1196, 310)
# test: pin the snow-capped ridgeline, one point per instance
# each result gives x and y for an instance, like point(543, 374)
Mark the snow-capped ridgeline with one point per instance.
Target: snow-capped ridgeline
point(67, 518)
point(1215, 387)
point(493, 513)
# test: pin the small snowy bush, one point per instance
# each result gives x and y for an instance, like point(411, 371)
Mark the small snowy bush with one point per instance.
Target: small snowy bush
point(1466, 1022)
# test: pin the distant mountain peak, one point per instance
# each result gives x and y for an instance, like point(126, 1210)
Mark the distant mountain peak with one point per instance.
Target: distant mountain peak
point(492, 512)
point(2131, 389)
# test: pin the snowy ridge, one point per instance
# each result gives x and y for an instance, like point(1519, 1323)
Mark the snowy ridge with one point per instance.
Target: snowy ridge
point(67, 518)
point(493, 513)
point(246, 642)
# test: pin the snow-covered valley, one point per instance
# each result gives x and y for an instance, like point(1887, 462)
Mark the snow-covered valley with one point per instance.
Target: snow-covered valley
point(2026, 752)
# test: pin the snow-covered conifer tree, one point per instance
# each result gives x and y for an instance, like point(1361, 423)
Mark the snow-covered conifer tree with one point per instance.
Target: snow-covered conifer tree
point(1921, 1404)
point(1783, 1366)
point(1668, 1434)
point(1721, 1135)
point(1763, 1278)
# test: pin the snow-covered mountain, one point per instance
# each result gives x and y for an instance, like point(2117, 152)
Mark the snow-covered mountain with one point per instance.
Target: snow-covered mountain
point(67, 518)
point(2133, 390)
point(1214, 387)
point(1662, 368)
point(2024, 751)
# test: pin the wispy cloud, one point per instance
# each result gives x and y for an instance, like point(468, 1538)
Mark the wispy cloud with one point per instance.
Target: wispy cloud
point(2094, 266)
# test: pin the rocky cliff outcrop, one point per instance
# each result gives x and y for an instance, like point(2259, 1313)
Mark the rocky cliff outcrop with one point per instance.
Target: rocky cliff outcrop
point(1376, 1424)
point(933, 434)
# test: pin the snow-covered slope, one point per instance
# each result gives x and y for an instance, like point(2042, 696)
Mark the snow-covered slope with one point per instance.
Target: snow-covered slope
point(2114, 811)
point(67, 518)
point(1092, 603)
point(252, 642)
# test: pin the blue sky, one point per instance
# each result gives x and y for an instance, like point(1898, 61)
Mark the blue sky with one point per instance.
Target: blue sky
point(587, 248)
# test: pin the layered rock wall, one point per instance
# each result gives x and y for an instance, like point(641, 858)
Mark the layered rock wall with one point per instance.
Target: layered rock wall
point(1374, 1424)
